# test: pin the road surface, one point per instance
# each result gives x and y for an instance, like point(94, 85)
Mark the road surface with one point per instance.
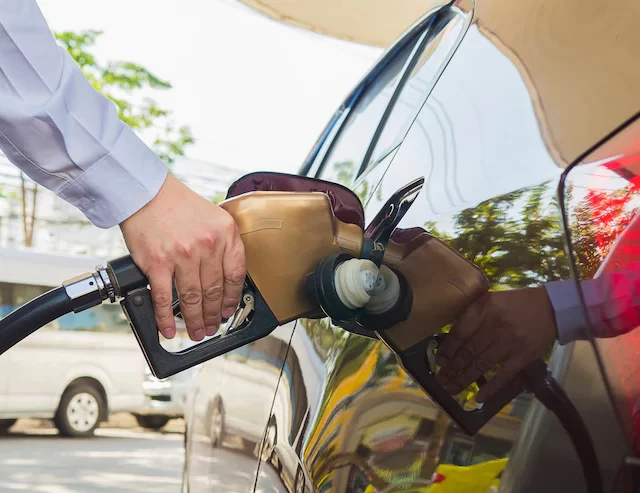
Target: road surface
point(115, 461)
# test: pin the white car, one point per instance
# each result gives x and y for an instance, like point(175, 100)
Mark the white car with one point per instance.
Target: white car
point(165, 399)
point(77, 369)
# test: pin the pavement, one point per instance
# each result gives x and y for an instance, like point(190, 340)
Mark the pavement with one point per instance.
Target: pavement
point(122, 457)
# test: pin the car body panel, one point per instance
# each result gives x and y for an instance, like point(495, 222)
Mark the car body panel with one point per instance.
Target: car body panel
point(524, 90)
point(240, 385)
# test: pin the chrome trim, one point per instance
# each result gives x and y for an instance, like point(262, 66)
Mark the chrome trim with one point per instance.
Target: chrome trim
point(84, 291)
point(107, 285)
point(354, 96)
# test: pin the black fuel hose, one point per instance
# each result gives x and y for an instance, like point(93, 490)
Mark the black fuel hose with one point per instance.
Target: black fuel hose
point(30, 317)
point(551, 394)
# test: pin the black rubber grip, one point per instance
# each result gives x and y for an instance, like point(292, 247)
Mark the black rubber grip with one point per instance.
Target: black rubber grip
point(125, 275)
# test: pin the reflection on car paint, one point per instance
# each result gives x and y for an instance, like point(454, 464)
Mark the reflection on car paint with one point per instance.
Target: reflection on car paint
point(492, 140)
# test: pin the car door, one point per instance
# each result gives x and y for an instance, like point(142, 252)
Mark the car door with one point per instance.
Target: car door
point(313, 381)
point(491, 172)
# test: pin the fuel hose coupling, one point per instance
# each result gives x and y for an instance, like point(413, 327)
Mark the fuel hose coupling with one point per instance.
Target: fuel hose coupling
point(88, 290)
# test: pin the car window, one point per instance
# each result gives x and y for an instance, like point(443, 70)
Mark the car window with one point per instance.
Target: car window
point(14, 295)
point(380, 120)
point(102, 318)
point(435, 51)
point(345, 154)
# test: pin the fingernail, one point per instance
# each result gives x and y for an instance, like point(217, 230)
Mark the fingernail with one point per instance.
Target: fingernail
point(227, 312)
point(167, 333)
point(198, 335)
point(211, 330)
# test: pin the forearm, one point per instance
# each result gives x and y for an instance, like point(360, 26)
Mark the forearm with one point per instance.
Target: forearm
point(60, 131)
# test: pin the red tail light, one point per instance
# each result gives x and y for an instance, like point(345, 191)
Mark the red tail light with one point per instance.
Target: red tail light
point(437, 478)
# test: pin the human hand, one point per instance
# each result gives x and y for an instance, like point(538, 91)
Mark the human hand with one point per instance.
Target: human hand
point(510, 328)
point(181, 235)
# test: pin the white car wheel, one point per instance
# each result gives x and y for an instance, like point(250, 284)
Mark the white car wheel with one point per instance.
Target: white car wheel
point(80, 410)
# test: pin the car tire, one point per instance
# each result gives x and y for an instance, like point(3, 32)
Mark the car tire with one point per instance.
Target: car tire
point(80, 410)
point(152, 422)
point(5, 424)
point(216, 424)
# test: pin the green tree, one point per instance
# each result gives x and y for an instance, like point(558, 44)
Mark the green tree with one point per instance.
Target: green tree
point(219, 197)
point(122, 82)
point(516, 239)
point(346, 175)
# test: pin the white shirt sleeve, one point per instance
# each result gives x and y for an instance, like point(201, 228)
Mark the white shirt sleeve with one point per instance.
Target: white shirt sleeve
point(568, 310)
point(612, 303)
point(60, 131)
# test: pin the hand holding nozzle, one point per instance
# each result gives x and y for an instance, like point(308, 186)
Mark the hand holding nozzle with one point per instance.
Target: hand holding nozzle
point(181, 236)
point(507, 328)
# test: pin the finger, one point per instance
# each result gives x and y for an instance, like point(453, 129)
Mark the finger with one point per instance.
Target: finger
point(487, 360)
point(233, 265)
point(212, 289)
point(507, 372)
point(461, 331)
point(476, 345)
point(160, 281)
point(190, 295)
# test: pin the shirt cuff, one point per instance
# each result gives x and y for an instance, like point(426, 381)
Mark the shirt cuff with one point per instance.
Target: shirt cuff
point(118, 185)
point(569, 312)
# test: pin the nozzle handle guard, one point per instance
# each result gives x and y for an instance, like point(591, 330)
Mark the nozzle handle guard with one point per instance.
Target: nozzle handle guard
point(414, 361)
point(138, 307)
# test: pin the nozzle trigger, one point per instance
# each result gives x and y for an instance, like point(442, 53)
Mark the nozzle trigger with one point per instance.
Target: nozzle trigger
point(246, 307)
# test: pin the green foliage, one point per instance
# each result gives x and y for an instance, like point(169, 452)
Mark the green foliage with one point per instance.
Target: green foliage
point(121, 82)
point(217, 198)
point(516, 238)
point(346, 172)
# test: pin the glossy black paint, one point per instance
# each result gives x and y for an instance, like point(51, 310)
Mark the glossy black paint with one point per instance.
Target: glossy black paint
point(500, 99)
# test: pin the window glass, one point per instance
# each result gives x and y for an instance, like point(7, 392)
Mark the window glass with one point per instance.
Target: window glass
point(442, 38)
point(14, 295)
point(347, 152)
point(345, 160)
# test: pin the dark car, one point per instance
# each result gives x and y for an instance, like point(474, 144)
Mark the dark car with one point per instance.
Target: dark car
point(520, 116)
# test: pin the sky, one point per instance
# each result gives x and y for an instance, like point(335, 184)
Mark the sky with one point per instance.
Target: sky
point(256, 93)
